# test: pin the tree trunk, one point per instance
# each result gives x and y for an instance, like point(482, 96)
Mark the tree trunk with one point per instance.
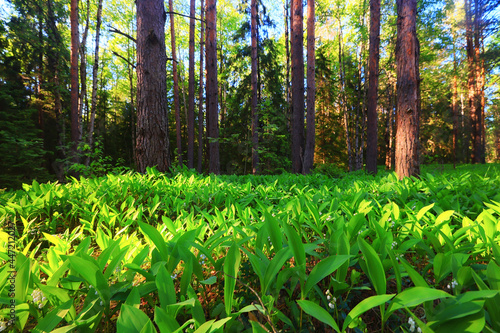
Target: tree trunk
point(287, 55)
point(311, 90)
point(176, 84)
point(95, 67)
point(75, 119)
point(373, 67)
point(200, 92)
point(83, 70)
point(212, 88)
point(407, 60)
point(190, 119)
point(297, 87)
point(152, 122)
point(454, 110)
point(255, 83)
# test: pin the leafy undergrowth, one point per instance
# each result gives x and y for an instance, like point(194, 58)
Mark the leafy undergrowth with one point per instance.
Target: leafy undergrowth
point(288, 253)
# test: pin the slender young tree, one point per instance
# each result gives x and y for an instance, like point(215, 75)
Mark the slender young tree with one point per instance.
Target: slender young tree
point(200, 93)
point(152, 122)
point(212, 88)
point(75, 119)
point(373, 65)
point(190, 117)
point(83, 69)
point(176, 83)
point(408, 94)
point(95, 67)
point(311, 90)
point(254, 79)
point(297, 56)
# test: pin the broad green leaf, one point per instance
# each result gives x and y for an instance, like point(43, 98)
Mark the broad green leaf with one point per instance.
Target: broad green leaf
point(231, 268)
point(165, 321)
point(424, 210)
point(166, 290)
point(295, 243)
point(471, 324)
point(414, 296)
point(376, 272)
point(322, 269)
point(155, 237)
point(444, 216)
point(148, 328)
point(53, 318)
point(134, 298)
point(275, 266)
point(275, 232)
point(131, 320)
point(319, 313)
point(365, 305)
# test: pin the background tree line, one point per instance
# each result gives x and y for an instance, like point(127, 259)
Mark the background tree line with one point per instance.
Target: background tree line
point(235, 98)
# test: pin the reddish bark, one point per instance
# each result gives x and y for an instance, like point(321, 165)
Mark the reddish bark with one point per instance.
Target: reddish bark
point(373, 66)
point(408, 96)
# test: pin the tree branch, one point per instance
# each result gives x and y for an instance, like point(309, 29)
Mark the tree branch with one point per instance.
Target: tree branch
point(125, 59)
point(123, 34)
point(175, 13)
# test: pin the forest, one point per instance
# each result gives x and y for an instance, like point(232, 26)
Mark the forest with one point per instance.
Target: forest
point(72, 100)
point(249, 166)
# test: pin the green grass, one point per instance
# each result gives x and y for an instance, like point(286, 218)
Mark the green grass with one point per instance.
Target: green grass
point(286, 253)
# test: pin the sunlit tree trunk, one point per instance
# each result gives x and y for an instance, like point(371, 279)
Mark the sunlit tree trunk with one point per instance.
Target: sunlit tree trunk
point(190, 118)
point(311, 90)
point(83, 103)
point(407, 59)
point(200, 93)
point(152, 122)
point(373, 66)
point(255, 83)
point(95, 67)
point(212, 88)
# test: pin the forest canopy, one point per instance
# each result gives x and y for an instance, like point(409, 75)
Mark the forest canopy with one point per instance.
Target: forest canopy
point(235, 83)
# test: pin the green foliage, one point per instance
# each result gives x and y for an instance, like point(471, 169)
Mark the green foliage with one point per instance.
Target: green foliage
point(133, 252)
point(21, 146)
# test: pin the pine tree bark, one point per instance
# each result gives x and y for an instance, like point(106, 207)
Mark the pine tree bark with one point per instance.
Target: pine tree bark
point(212, 88)
point(311, 90)
point(200, 92)
point(176, 84)
point(95, 68)
point(152, 122)
point(75, 119)
point(297, 87)
point(373, 67)
point(254, 82)
point(190, 118)
point(408, 96)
